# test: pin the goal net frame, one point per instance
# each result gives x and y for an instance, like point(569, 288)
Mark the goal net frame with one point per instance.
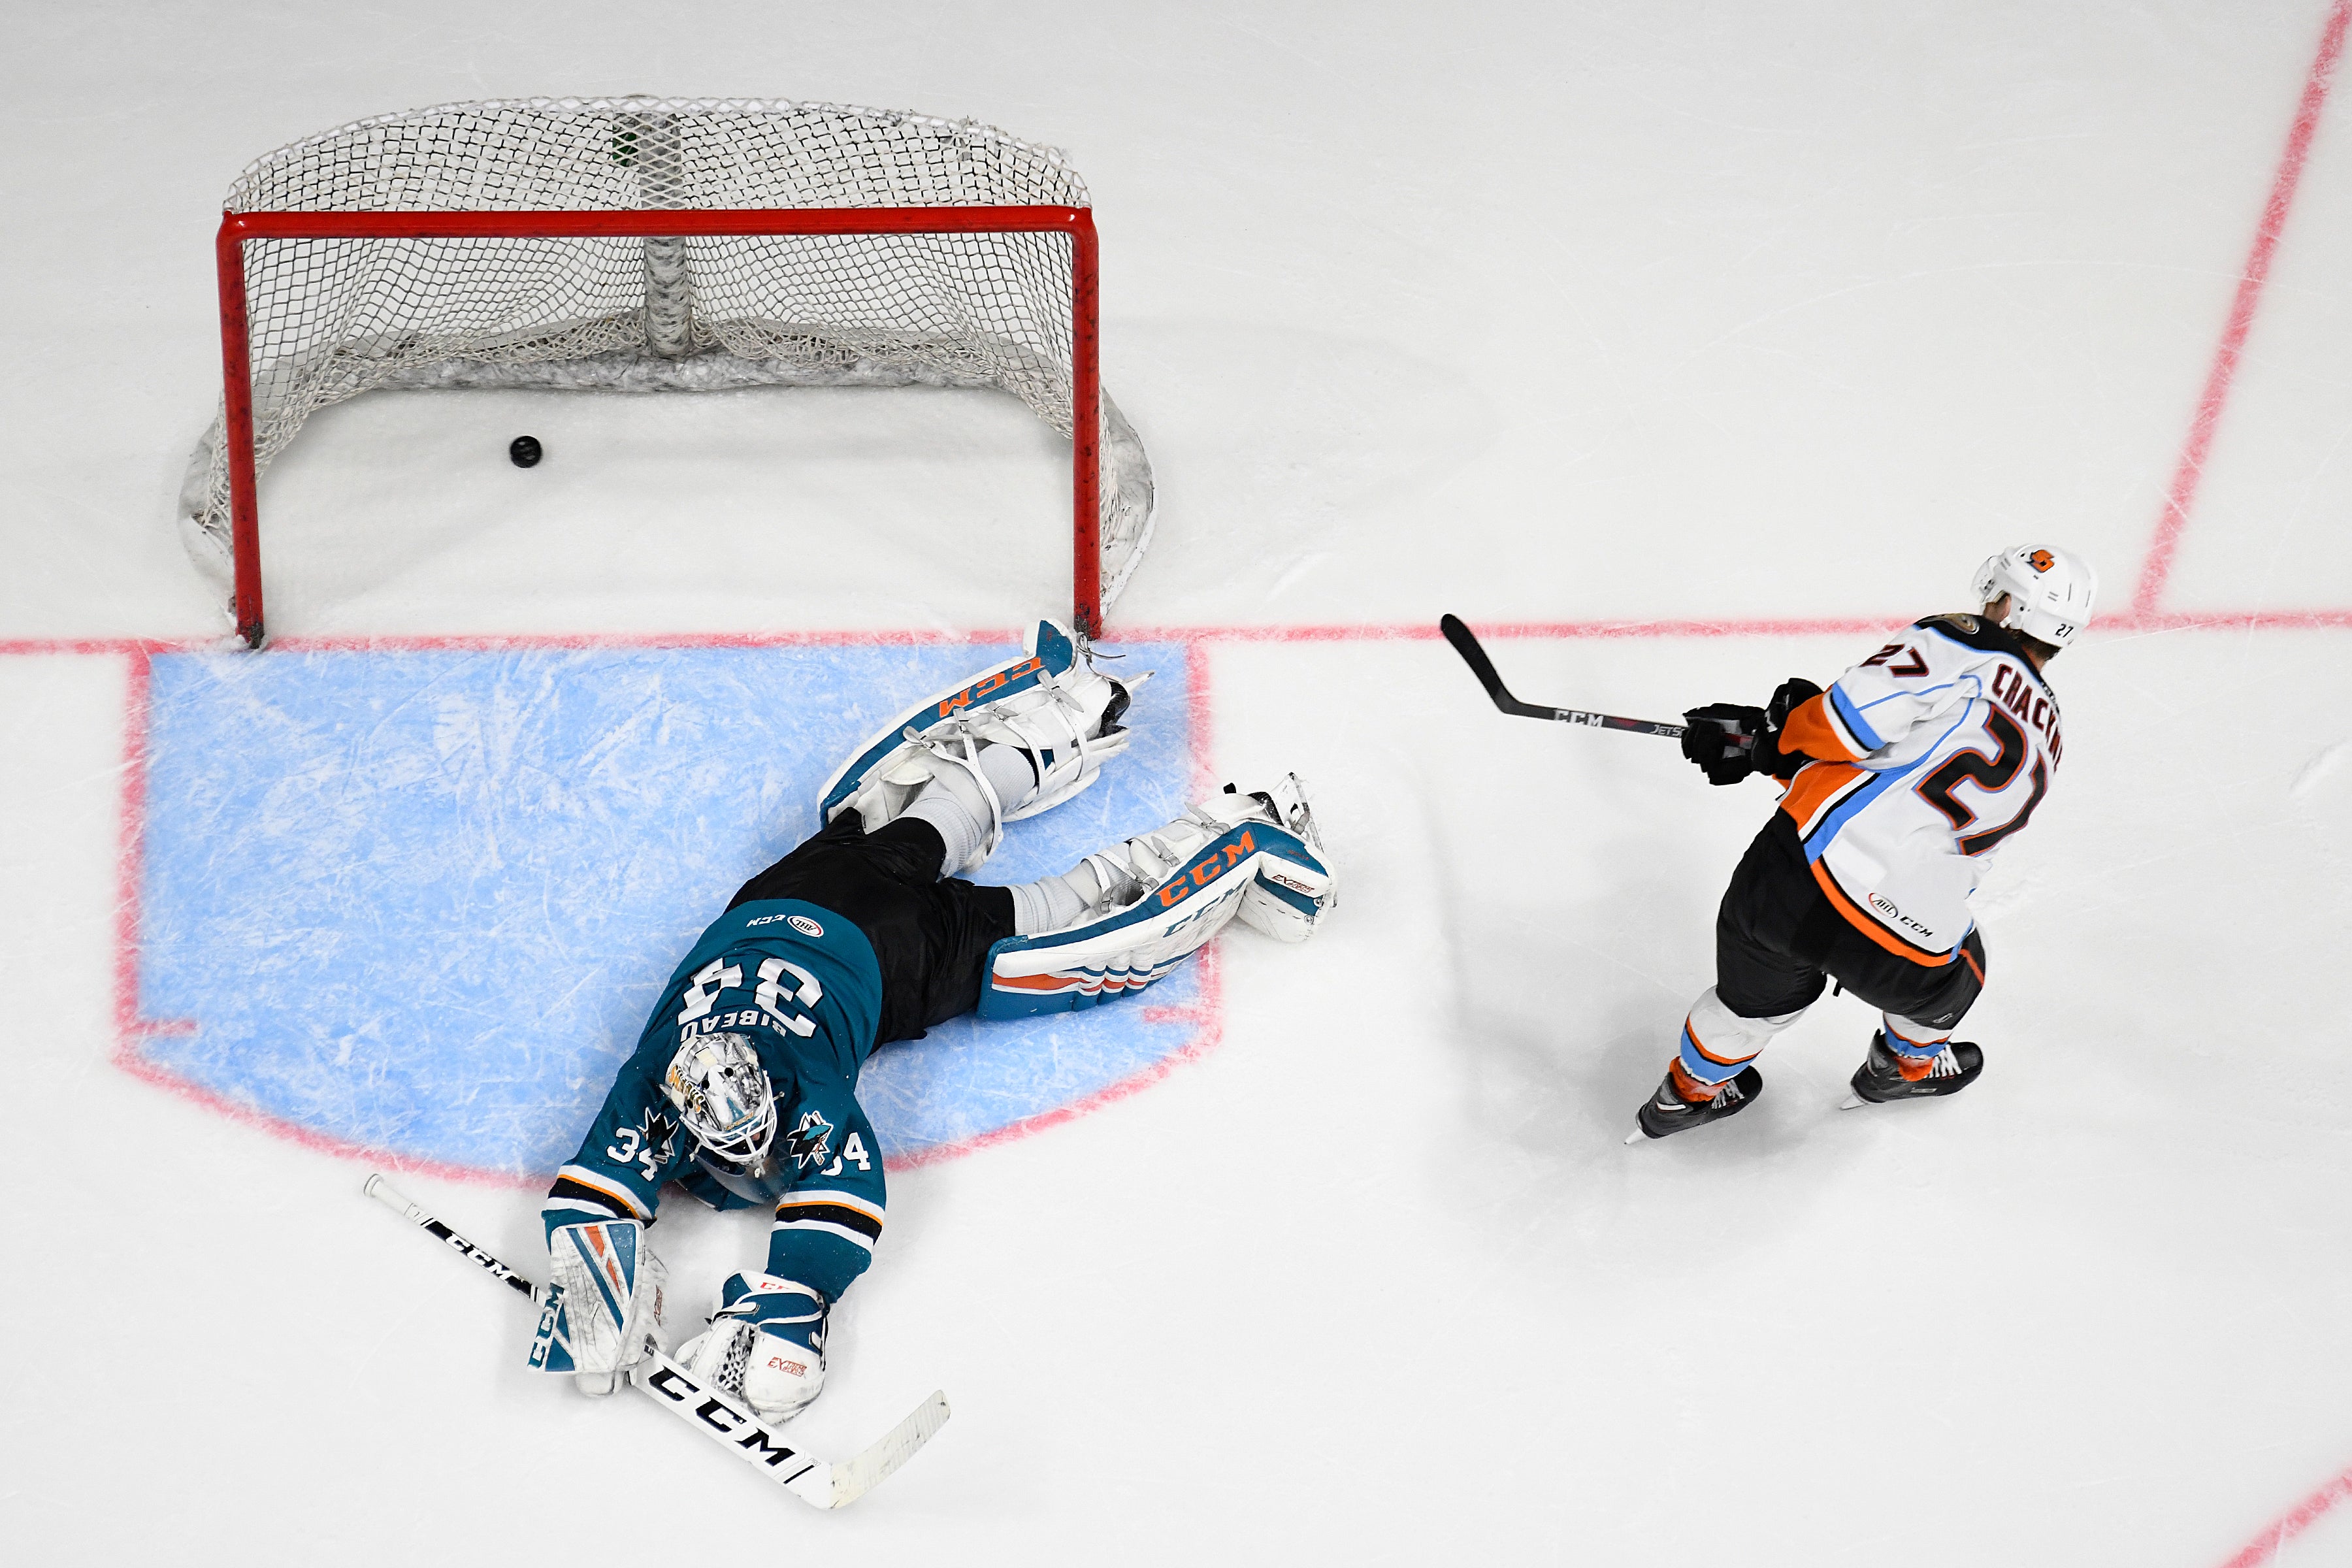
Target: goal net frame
point(1091, 418)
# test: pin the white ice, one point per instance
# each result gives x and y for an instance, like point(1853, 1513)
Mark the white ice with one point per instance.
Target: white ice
point(1598, 311)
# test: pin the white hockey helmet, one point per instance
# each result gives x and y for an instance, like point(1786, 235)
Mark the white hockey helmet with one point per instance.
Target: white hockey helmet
point(724, 1100)
point(2050, 591)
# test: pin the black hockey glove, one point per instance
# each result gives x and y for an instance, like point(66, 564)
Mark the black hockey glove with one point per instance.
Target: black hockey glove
point(1794, 693)
point(1716, 738)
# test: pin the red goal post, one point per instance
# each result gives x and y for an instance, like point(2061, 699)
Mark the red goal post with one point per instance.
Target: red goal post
point(348, 291)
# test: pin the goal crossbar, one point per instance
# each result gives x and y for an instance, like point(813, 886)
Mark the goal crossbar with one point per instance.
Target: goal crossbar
point(239, 228)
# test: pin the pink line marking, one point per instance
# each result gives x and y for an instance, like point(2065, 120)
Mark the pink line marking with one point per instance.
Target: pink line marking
point(2157, 568)
point(132, 1031)
point(2265, 1547)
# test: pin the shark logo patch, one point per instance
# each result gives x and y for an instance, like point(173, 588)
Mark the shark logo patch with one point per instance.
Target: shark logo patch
point(810, 1142)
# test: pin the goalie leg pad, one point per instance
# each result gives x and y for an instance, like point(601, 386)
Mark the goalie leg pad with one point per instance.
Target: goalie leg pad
point(1051, 703)
point(611, 1287)
point(1163, 895)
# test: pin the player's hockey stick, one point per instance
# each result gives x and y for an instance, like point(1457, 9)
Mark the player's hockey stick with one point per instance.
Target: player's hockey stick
point(1466, 643)
point(717, 1415)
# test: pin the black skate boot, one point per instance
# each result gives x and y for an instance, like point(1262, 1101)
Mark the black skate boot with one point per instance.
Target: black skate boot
point(1879, 1079)
point(1666, 1112)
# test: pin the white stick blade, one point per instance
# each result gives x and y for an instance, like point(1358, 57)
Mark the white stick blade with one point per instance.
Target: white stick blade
point(853, 1478)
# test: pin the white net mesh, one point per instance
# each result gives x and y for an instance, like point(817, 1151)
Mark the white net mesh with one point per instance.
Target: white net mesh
point(329, 319)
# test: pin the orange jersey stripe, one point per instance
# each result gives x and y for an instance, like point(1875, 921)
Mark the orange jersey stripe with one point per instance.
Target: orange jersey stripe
point(1810, 732)
point(1814, 786)
point(1870, 928)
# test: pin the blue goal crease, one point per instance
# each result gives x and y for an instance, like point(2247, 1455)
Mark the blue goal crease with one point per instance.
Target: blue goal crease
point(421, 901)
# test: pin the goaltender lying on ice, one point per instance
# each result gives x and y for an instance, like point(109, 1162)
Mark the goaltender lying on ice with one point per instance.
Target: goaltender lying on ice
point(743, 1084)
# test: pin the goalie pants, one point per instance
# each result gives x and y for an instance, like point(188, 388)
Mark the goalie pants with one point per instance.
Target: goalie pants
point(1779, 942)
point(931, 937)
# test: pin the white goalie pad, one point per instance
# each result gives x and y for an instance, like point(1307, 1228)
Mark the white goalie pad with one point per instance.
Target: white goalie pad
point(1254, 856)
point(1051, 702)
point(610, 1304)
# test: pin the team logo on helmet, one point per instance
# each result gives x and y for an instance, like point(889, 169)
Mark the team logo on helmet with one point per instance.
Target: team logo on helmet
point(2042, 560)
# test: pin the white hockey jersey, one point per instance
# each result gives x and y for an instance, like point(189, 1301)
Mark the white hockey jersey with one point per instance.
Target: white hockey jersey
point(1934, 750)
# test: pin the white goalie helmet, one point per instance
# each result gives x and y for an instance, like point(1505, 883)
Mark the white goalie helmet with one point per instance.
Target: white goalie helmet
point(2050, 591)
point(724, 1100)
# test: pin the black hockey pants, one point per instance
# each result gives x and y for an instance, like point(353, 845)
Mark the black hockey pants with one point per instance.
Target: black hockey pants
point(1778, 940)
point(931, 936)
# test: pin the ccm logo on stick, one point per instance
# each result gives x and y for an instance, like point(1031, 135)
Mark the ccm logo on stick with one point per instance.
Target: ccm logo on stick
point(673, 1385)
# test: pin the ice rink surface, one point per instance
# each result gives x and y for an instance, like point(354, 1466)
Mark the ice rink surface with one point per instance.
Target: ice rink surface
point(1680, 345)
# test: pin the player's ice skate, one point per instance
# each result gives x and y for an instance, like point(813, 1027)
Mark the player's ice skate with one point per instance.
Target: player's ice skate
point(1672, 1110)
point(1128, 915)
point(1024, 737)
point(1880, 1077)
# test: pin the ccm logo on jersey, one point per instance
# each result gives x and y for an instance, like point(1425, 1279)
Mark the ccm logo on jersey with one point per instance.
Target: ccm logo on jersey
point(1208, 869)
point(979, 688)
point(2016, 694)
point(1885, 906)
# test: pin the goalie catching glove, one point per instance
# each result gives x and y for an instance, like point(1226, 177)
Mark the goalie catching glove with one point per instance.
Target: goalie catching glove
point(765, 1343)
point(606, 1305)
point(1153, 901)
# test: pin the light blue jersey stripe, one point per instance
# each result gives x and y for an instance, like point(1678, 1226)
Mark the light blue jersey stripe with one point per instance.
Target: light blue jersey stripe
point(1851, 717)
point(1846, 809)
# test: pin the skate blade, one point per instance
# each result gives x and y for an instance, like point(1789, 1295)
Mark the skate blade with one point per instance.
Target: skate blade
point(1636, 1136)
point(1853, 1102)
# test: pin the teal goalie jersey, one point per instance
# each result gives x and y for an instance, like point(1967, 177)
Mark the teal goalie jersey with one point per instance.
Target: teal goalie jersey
point(801, 983)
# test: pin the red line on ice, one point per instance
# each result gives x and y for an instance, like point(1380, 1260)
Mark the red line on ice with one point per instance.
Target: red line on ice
point(2265, 1547)
point(2157, 568)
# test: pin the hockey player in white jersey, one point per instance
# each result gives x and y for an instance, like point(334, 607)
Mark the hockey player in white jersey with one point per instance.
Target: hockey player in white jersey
point(1902, 778)
point(742, 1088)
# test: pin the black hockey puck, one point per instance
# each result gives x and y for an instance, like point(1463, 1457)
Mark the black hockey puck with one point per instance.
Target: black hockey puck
point(524, 451)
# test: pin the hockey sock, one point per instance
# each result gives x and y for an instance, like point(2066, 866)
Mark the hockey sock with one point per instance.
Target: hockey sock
point(1717, 1042)
point(1057, 901)
point(954, 803)
point(1914, 1046)
point(1689, 1087)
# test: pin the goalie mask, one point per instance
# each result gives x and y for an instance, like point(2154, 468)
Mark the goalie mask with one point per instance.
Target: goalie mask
point(724, 1101)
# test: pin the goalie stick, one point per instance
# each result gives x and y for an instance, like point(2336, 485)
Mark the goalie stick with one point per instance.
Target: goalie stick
point(710, 1411)
point(1466, 643)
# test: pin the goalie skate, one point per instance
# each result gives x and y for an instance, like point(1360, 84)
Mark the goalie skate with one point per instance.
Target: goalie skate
point(1165, 893)
point(1051, 704)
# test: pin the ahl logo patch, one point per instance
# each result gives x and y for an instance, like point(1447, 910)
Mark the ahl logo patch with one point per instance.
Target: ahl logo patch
point(805, 925)
point(810, 1142)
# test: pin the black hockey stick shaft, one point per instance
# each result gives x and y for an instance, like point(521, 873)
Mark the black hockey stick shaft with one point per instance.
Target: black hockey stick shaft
point(384, 1193)
point(1466, 643)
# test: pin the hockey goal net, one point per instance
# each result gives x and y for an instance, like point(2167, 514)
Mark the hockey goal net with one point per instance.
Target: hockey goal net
point(642, 245)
